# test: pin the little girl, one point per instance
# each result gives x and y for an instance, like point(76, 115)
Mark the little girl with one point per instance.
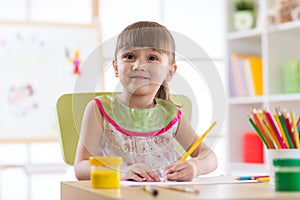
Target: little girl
point(141, 123)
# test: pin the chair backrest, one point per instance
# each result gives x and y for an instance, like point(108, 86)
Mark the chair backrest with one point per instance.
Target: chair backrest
point(70, 108)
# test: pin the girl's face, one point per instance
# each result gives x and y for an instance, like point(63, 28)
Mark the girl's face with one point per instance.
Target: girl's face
point(142, 70)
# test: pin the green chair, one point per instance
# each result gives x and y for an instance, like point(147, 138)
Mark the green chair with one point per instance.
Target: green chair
point(70, 108)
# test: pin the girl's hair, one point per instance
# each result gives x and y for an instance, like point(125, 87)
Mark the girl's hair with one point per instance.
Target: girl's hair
point(152, 35)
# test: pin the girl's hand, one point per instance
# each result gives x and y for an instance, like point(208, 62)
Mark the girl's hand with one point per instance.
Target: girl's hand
point(138, 172)
point(182, 171)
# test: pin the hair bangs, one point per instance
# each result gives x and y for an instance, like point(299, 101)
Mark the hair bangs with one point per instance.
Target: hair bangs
point(152, 37)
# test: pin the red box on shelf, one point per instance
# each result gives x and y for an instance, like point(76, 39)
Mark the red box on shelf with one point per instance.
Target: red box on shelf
point(253, 150)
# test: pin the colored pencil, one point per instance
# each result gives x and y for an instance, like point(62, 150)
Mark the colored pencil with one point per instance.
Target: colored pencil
point(241, 178)
point(264, 179)
point(289, 127)
point(274, 129)
point(180, 189)
point(150, 189)
point(271, 135)
point(260, 127)
point(285, 130)
point(257, 177)
point(281, 130)
point(197, 143)
point(258, 132)
point(295, 132)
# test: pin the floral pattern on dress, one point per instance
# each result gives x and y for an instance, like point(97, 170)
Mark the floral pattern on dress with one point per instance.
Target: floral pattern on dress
point(154, 151)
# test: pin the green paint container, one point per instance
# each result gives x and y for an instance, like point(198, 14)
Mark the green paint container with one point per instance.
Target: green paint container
point(291, 76)
point(287, 174)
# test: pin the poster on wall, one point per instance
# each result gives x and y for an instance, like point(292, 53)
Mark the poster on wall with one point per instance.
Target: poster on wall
point(37, 65)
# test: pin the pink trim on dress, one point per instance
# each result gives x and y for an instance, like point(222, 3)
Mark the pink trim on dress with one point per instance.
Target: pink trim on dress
point(147, 134)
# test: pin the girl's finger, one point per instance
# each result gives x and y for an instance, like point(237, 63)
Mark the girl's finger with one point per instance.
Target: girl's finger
point(136, 177)
point(180, 176)
point(176, 176)
point(146, 176)
point(153, 176)
point(176, 167)
point(130, 175)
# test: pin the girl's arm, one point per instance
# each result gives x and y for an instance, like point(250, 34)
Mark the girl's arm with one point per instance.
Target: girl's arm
point(88, 143)
point(203, 159)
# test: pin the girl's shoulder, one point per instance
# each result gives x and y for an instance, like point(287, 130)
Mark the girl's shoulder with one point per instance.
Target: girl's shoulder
point(105, 103)
point(106, 99)
point(169, 107)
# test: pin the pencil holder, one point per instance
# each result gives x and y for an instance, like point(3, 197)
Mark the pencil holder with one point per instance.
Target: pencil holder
point(273, 154)
point(105, 172)
point(287, 174)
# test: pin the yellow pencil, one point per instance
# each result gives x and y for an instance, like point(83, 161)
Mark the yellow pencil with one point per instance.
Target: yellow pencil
point(281, 129)
point(264, 179)
point(296, 135)
point(197, 143)
point(271, 135)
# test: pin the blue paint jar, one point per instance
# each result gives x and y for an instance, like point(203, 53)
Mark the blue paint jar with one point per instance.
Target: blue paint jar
point(287, 174)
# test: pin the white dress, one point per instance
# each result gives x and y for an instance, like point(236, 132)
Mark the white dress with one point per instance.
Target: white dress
point(139, 135)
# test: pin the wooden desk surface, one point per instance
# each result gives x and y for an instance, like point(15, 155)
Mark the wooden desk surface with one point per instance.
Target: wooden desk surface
point(78, 190)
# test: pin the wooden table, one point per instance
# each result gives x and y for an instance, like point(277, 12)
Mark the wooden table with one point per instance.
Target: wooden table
point(78, 190)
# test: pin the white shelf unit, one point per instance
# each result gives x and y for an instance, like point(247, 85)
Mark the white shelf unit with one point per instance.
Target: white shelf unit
point(275, 44)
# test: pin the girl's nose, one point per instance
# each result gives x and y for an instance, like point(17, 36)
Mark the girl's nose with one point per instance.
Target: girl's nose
point(139, 65)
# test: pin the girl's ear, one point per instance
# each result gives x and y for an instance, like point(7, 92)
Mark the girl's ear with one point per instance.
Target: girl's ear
point(115, 66)
point(171, 72)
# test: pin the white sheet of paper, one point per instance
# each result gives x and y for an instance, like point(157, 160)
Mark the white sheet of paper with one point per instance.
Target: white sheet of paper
point(198, 181)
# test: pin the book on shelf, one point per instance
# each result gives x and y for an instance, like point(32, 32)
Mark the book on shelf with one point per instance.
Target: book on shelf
point(245, 73)
point(232, 85)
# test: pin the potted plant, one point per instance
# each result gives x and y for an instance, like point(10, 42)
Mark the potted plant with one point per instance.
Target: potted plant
point(244, 15)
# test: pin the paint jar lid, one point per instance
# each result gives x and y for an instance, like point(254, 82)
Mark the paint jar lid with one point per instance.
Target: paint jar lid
point(287, 174)
point(287, 162)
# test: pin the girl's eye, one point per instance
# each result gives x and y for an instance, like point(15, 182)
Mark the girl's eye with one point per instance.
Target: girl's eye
point(129, 56)
point(153, 58)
